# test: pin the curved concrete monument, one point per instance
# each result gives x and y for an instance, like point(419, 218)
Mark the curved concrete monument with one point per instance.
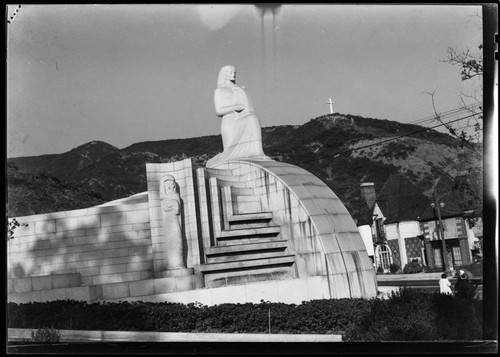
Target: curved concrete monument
point(289, 225)
point(243, 229)
point(318, 234)
point(240, 126)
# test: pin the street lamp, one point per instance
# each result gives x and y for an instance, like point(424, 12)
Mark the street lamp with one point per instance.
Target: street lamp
point(437, 212)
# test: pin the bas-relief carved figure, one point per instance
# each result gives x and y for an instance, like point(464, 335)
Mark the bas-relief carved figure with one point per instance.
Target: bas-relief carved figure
point(240, 126)
point(171, 210)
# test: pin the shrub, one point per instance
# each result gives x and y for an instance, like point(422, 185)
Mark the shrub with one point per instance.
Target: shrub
point(412, 314)
point(397, 150)
point(458, 317)
point(380, 270)
point(407, 315)
point(403, 317)
point(394, 268)
point(413, 267)
point(427, 269)
point(317, 316)
point(46, 335)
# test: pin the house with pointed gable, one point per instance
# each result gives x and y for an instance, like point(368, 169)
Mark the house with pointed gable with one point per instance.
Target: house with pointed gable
point(395, 224)
point(460, 210)
point(403, 225)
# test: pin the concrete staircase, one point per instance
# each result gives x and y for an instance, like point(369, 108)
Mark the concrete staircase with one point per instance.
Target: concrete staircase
point(246, 245)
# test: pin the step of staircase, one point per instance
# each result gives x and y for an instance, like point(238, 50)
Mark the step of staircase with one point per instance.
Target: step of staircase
point(285, 260)
point(248, 271)
point(242, 191)
point(250, 217)
point(250, 220)
point(238, 252)
point(245, 198)
point(254, 206)
point(248, 235)
point(245, 201)
point(248, 248)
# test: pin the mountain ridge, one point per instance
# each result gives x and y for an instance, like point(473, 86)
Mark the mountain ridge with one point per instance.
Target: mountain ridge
point(343, 150)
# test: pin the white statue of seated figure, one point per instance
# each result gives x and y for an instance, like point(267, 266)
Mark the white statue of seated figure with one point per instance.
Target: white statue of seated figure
point(240, 126)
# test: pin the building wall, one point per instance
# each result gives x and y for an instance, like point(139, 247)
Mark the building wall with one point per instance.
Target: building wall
point(396, 256)
point(401, 239)
point(453, 228)
point(366, 233)
point(391, 231)
point(409, 229)
point(429, 253)
point(414, 247)
point(409, 245)
point(455, 233)
point(465, 251)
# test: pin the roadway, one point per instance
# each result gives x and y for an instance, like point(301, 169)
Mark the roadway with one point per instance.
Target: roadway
point(423, 281)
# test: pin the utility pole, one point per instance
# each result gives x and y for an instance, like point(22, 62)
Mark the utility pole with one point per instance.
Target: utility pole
point(437, 212)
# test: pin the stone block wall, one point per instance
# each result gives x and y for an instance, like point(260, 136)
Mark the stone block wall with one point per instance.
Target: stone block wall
point(50, 287)
point(104, 244)
point(45, 282)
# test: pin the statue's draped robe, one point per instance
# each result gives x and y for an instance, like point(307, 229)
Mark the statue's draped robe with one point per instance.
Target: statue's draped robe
point(241, 132)
point(171, 205)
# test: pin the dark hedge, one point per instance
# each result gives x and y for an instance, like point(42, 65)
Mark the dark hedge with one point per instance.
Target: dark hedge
point(408, 315)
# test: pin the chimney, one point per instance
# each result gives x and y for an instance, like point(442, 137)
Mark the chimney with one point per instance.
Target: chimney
point(368, 193)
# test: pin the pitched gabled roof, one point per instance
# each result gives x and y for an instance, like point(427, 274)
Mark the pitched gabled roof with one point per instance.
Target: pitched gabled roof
point(400, 200)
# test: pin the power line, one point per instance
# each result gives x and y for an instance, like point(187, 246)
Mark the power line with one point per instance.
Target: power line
point(446, 114)
point(387, 140)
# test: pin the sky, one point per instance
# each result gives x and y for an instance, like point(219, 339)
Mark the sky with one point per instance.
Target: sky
point(124, 74)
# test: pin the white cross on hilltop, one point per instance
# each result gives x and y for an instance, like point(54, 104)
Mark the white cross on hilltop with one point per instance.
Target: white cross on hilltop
point(331, 105)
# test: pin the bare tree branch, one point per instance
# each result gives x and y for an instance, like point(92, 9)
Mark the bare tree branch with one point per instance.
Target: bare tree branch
point(472, 66)
point(461, 133)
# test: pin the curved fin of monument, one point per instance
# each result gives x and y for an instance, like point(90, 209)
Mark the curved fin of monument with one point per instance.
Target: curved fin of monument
point(272, 220)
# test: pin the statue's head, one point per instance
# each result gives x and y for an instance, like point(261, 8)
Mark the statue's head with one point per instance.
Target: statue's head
point(226, 74)
point(167, 185)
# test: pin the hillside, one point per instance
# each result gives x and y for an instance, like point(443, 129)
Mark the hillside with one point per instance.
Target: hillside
point(36, 193)
point(324, 146)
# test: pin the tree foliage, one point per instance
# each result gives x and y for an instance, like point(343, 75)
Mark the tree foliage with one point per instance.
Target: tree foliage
point(12, 225)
